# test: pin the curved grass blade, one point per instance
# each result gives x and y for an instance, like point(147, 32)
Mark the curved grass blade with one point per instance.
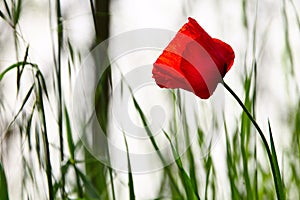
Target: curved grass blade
point(279, 181)
point(152, 140)
point(23, 103)
point(191, 192)
point(41, 79)
point(18, 64)
point(45, 139)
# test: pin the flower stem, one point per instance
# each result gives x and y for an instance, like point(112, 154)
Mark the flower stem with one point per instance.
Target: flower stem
point(276, 176)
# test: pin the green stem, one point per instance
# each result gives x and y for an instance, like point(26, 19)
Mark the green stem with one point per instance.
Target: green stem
point(59, 88)
point(280, 194)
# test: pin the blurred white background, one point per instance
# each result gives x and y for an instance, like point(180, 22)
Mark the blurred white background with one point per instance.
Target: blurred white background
point(221, 19)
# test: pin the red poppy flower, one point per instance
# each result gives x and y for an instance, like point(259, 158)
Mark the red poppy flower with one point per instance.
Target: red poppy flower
point(193, 61)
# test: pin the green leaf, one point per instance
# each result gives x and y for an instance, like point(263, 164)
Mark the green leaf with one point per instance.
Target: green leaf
point(3, 185)
point(42, 81)
point(17, 12)
point(278, 183)
point(191, 192)
point(28, 127)
point(23, 104)
point(7, 8)
point(153, 142)
point(19, 74)
point(15, 66)
point(130, 178)
point(2, 15)
point(88, 185)
point(69, 136)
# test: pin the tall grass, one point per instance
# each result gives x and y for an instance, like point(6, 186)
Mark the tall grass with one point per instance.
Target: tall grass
point(77, 174)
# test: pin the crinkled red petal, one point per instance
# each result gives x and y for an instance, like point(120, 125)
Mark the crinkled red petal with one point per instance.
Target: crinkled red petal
point(193, 61)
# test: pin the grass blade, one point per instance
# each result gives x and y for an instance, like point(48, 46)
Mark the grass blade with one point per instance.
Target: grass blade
point(69, 136)
point(23, 104)
point(41, 79)
point(16, 65)
point(45, 139)
point(28, 128)
point(3, 185)
point(2, 15)
point(17, 12)
point(72, 148)
point(19, 74)
point(153, 142)
point(7, 8)
point(130, 178)
point(191, 192)
point(91, 190)
point(280, 186)
point(232, 171)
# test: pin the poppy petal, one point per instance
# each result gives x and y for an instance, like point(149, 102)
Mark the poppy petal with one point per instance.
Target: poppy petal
point(193, 61)
point(200, 70)
point(167, 77)
point(226, 52)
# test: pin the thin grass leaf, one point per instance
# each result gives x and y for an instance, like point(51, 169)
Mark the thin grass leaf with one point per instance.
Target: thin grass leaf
point(191, 192)
point(71, 51)
point(245, 17)
point(280, 186)
point(3, 184)
point(231, 167)
point(28, 170)
point(152, 140)
point(7, 70)
point(72, 148)
point(69, 136)
point(280, 195)
point(37, 145)
point(24, 102)
point(59, 24)
point(2, 15)
point(41, 109)
point(7, 8)
point(287, 39)
point(208, 165)
point(6, 19)
point(19, 74)
point(28, 127)
point(21, 108)
point(91, 190)
point(130, 178)
point(42, 81)
point(295, 175)
point(190, 154)
point(102, 99)
point(18, 64)
point(17, 12)
point(296, 13)
point(245, 137)
point(58, 183)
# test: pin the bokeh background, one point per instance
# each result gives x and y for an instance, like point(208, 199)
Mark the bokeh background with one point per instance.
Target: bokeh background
point(43, 45)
